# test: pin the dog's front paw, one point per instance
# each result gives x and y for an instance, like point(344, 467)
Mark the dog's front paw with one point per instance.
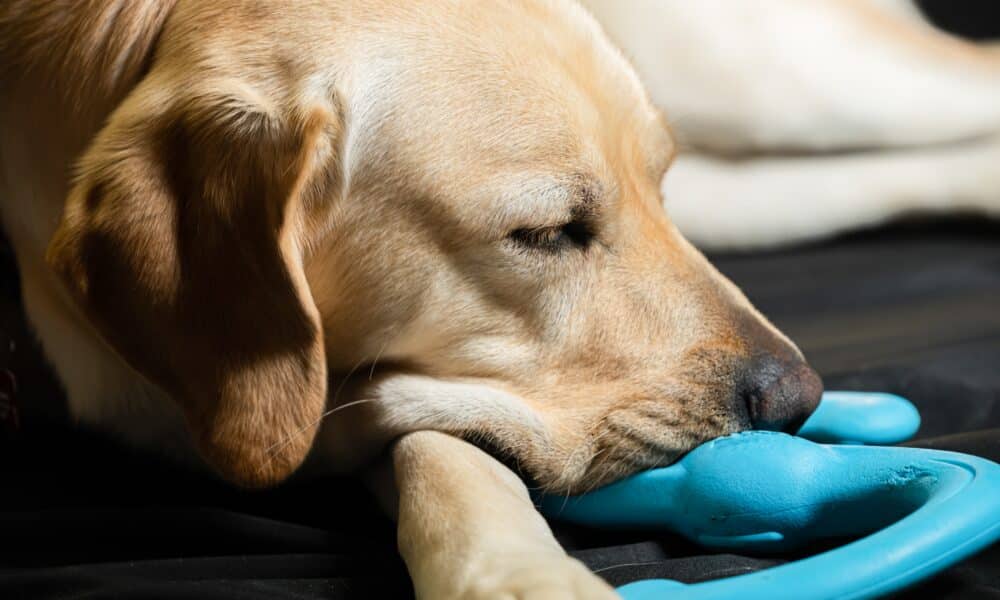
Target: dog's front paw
point(538, 578)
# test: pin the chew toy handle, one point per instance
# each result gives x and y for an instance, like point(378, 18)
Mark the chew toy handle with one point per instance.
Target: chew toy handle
point(861, 418)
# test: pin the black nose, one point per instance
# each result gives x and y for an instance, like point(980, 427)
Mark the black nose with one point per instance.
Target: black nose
point(780, 394)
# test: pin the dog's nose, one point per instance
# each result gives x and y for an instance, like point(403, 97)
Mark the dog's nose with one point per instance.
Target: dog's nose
point(780, 394)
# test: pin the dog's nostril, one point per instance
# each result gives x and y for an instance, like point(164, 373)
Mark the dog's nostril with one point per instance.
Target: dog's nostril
point(780, 396)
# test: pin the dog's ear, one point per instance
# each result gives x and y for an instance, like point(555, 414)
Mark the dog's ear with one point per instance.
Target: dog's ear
point(182, 241)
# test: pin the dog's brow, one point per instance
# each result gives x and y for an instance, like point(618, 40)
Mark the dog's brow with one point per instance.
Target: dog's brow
point(586, 196)
point(581, 196)
point(533, 199)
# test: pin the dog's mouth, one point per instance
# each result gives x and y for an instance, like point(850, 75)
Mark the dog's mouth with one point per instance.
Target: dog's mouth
point(571, 451)
point(619, 448)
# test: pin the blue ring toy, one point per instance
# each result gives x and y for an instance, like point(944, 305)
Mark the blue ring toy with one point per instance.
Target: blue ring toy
point(920, 510)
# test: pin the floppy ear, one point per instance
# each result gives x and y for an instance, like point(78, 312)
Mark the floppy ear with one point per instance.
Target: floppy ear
point(182, 240)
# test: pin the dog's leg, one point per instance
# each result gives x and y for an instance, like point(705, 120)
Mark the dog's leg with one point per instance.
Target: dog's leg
point(903, 9)
point(468, 529)
point(722, 204)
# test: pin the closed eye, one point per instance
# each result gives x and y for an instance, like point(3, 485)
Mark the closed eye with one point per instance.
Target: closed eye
point(574, 234)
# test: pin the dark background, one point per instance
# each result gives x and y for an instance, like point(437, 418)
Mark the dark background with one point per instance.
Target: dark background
point(913, 308)
point(975, 19)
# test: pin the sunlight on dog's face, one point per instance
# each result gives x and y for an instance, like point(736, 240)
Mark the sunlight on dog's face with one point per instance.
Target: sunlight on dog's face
point(461, 196)
point(504, 228)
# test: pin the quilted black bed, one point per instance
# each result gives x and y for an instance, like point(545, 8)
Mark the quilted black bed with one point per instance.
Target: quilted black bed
point(912, 309)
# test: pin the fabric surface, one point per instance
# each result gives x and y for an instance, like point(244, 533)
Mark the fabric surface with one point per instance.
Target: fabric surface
point(911, 310)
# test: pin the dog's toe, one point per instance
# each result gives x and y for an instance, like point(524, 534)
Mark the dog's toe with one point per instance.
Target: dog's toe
point(555, 578)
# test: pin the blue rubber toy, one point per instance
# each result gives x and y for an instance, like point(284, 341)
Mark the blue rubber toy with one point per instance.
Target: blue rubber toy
point(920, 510)
point(861, 418)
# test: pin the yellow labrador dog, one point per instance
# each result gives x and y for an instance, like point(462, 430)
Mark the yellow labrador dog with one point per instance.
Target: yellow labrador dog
point(428, 221)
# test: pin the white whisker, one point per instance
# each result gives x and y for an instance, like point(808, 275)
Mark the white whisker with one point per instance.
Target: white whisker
point(371, 372)
point(636, 564)
point(281, 444)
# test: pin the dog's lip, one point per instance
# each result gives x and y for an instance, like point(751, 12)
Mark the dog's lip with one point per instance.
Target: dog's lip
point(509, 458)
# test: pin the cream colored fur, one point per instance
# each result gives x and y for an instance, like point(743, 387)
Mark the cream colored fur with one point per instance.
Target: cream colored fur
point(801, 119)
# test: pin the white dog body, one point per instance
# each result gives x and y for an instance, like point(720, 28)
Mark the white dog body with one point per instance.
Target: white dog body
point(800, 119)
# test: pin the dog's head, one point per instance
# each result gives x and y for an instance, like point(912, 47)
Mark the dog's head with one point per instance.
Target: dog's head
point(464, 193)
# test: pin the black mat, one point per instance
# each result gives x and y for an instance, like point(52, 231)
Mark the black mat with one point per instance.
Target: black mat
point(912, 309)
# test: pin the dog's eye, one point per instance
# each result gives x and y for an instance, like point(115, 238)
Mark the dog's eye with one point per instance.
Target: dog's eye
point(573, 234)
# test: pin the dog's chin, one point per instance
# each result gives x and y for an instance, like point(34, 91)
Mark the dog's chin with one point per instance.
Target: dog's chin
point(509, 457)
point(560, 475)
point(596, 463)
